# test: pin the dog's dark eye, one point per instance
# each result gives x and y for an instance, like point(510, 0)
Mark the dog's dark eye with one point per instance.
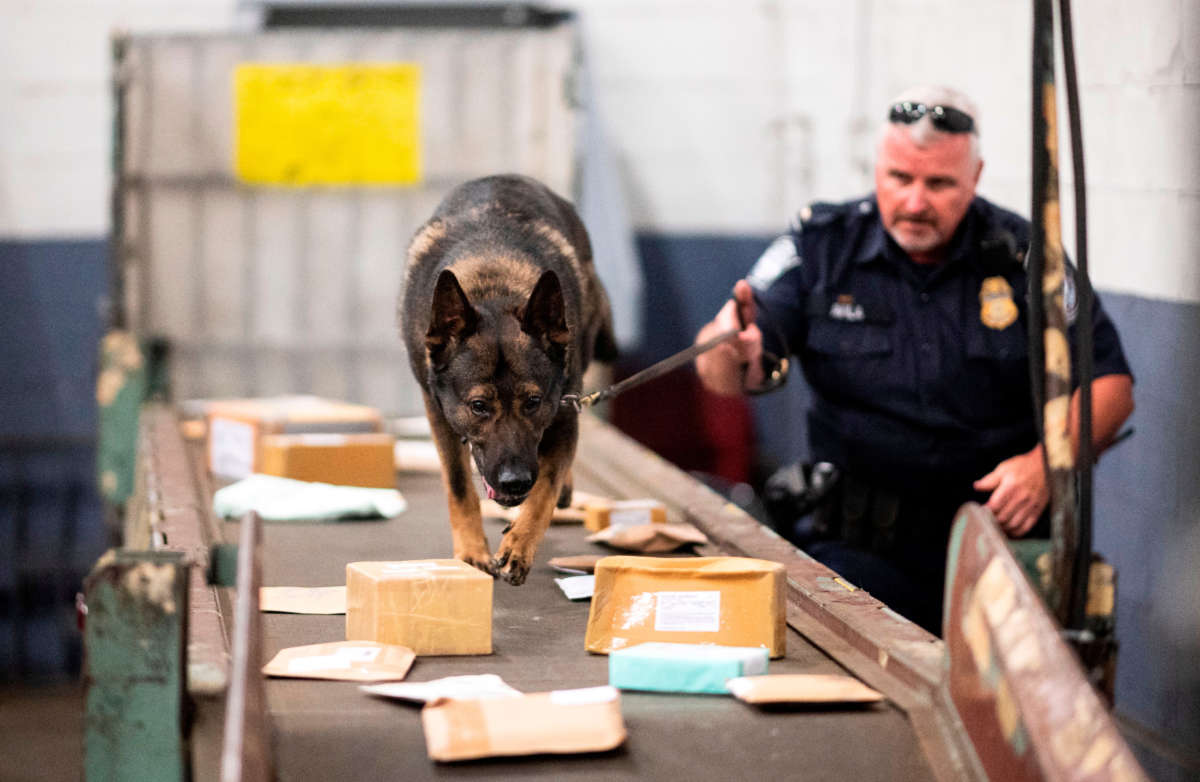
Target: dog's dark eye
point(532, 404)
point(480, 407)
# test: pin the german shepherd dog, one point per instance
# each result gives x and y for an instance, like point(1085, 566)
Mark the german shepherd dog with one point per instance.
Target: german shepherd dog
point(501, 314)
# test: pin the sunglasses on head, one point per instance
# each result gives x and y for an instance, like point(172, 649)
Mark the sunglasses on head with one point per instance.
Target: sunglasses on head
point(944, 118)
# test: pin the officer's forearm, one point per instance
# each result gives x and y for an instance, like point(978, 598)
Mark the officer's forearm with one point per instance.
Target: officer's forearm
point(1112, 403)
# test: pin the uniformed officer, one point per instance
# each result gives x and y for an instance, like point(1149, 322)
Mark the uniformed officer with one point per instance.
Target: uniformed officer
point(907, 312)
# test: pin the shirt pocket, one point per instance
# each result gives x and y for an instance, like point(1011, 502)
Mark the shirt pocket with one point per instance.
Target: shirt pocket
point(838, 339)
point(998, 373)
point(998, 346)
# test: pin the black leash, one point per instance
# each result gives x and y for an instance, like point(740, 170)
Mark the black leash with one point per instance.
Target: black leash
point(775, 377)
point(649, 373)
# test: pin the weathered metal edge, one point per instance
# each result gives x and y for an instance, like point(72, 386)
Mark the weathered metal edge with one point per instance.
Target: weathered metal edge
point(135, 714)
point(1019, 687)
point(175, 517)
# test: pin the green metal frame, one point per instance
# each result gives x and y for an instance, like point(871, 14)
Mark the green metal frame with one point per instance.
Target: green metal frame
point(135, 677)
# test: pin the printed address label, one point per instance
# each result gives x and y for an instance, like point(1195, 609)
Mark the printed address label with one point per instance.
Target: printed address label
point(688, 612)
point(231, 448)
point(341, 659)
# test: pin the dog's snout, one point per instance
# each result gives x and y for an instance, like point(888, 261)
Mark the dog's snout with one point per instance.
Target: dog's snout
point(515, 481)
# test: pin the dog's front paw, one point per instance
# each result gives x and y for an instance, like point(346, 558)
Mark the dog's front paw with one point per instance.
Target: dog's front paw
point(510, 567)
point(478, 559)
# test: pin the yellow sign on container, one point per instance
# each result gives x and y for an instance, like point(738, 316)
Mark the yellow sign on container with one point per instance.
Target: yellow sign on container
point(303, 124)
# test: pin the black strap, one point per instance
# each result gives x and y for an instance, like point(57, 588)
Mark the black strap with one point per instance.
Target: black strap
point(776, 375)
point(775, 367)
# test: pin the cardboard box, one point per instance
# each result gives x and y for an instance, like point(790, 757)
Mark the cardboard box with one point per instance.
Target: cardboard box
point(559, 722)
point(236, 426)
point(432, 606)
point(342, 459)
point(669, 667)
point(731, 601)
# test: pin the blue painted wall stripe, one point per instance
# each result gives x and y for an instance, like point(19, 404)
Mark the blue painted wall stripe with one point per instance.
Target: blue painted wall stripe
point(50, 296)
point(51, 524)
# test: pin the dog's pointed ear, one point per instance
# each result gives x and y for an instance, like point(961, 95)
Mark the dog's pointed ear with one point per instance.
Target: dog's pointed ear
point(453, 317)
point(545, 315)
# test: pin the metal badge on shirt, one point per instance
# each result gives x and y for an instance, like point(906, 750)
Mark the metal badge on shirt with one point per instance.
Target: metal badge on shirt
point(845, 308)
point(849, 308)
point(997, 310)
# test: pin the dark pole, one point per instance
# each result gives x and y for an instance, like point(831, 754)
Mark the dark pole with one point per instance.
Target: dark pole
point(1046, 249)
point(1083, 328)
point(115, 317)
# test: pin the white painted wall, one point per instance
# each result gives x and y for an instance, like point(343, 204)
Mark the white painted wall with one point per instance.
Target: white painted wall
point(725, 115)
point(55, 99)
point(730, 115)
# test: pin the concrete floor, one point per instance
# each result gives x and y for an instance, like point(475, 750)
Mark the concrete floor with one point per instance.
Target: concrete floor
point(41, 732)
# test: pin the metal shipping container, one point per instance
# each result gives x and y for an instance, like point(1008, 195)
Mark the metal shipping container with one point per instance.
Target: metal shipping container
point(261, 290)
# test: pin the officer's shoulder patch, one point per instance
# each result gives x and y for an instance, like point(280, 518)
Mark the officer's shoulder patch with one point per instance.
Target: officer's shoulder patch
point(777, 259)
point(1070, 299)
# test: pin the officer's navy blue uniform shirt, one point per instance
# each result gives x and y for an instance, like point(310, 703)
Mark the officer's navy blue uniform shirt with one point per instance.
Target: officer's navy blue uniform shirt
point(920, 375)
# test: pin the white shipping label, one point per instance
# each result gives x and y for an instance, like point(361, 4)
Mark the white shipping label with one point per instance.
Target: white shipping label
point(230, 448)
point(629, 513)
point(321, 662)
point(688, 612)
point(359, 654)
point(628, 518)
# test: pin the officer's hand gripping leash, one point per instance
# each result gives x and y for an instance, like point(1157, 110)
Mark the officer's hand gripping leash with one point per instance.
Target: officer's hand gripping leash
point(776, 375)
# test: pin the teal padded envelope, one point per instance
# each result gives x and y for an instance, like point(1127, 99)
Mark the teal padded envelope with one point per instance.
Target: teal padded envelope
point(671, 667)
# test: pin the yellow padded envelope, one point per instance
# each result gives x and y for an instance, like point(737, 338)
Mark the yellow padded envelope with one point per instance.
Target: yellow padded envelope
point(730, 601)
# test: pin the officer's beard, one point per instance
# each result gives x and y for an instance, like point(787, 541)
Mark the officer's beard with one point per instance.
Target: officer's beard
point(918, 242)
